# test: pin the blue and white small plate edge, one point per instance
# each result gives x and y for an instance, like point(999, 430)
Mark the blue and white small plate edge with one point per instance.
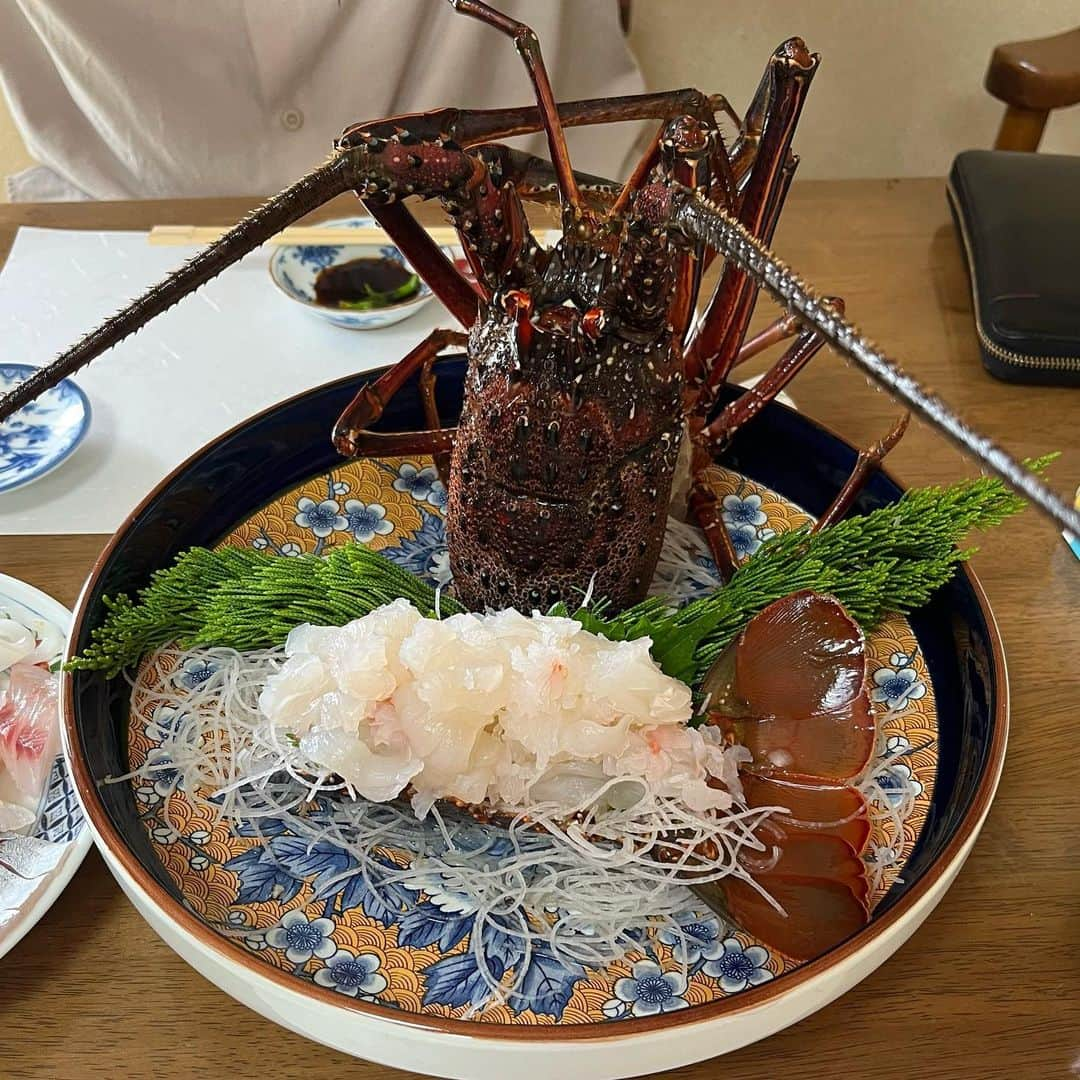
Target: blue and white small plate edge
point(49, 464)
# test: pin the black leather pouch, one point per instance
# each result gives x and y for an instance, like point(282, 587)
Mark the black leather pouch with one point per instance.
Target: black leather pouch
point(1018, 216)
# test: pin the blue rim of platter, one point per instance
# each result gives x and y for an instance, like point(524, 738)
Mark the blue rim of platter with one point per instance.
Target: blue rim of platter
point(31, 443)
point(252, 464)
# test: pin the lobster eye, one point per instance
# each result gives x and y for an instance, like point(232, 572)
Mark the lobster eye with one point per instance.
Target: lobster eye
point(592, 323)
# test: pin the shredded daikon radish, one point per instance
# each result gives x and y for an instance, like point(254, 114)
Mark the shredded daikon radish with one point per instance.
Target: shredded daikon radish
point(685, 569)
point(590, 890)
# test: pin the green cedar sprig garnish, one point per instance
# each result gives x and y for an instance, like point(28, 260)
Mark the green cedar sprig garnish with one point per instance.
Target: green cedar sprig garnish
point(892, 559)
point(889, 560)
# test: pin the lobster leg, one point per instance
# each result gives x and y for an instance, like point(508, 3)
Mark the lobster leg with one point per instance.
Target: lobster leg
point(474, 126)
point(722, 326)
point(704, 506)
point(708, 439)
point(779, 330)
point(351, 435)
point(534, 177)
point(428, 259)
point(867, 461)
point(743, 409)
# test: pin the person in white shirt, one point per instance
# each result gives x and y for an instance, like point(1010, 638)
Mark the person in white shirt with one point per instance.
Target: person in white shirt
point(125, 99)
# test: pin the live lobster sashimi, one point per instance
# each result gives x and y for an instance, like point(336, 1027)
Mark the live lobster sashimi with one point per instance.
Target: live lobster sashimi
point(796, 696)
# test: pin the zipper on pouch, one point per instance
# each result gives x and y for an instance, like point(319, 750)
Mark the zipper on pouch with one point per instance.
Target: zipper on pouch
point(1006, 356)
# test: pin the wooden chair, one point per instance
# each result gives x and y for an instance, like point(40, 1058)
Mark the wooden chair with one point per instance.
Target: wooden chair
point(1032, 78)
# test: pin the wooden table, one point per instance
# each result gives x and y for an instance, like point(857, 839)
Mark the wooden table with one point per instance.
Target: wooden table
point(988, 988)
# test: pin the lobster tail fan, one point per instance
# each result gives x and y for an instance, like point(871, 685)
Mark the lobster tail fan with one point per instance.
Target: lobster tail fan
point(257, 227)
point(796, 679)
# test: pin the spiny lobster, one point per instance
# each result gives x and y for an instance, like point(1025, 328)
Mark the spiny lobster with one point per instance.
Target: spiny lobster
point(588, 372)
point(586, 363)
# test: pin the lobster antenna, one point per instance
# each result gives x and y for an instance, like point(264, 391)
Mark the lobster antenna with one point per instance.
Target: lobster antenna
point(294, 202)
point(528, 45)
point(699, 219)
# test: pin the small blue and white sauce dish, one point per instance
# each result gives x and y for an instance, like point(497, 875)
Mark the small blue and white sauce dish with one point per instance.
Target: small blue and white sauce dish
point(302, 273)
point(43, 434)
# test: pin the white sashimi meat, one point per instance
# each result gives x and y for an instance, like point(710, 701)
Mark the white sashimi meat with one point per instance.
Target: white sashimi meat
point(16, 643)
point(498, 708)
point(29, 728)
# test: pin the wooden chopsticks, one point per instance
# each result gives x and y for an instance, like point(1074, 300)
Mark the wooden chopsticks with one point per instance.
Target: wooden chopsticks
point(164, 235)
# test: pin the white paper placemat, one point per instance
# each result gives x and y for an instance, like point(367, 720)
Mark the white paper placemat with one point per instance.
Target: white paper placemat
point(227, 351)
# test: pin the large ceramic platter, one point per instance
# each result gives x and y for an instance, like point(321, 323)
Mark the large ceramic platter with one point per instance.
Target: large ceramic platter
point(34, 869)
point(392, 982)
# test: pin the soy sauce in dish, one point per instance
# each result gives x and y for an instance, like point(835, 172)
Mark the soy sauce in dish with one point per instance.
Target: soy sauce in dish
point(365, 283)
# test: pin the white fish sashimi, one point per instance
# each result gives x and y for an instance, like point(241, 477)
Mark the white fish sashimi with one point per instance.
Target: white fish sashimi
point(499, 708)
point(15, 818)
point(16, 643)
point(29, 727)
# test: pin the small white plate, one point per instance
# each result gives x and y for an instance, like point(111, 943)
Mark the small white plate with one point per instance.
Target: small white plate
point(35, 869)
point(294, 267)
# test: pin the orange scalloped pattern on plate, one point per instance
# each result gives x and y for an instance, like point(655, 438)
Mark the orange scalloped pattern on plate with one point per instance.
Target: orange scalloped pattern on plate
point(194, 848)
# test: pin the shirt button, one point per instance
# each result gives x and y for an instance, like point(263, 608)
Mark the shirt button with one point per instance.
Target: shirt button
point(292, 119)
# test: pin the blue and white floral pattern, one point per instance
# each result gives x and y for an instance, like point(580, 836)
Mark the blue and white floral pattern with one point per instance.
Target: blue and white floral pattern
point(648, 991)
point(367, 520)
point(317, 256)
point(353, 974)
point(746, 539)
point(898, 684)
point(423, 484)
point(743, 510)
point(897, 782)
point(441, 893)
point(42, 434)
point(694, 939)
point(322, 518)
point(166, 722)
point(195, 672)
point(896, 779)
point(424, 553)
point(164, 776)
point(302, 938)
point(738, 967)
